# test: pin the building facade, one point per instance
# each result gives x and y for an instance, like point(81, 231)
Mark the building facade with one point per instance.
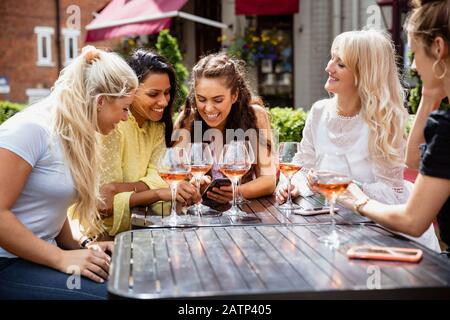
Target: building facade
point(312, 31)
point(37, 39)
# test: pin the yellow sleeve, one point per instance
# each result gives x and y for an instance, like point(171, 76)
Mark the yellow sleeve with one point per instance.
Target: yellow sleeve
point(111, 171)
point(121, 221)
point(152, 179)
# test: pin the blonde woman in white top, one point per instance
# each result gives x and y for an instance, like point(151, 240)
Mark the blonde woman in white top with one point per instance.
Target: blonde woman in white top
point(365, 119)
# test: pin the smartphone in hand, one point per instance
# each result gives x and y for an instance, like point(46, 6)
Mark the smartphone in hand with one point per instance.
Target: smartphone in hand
point(217, 183)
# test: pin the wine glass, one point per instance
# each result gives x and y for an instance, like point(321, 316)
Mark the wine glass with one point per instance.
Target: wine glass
point(286, 154)
point(201, 161)
point(239, 197)
point(173, 168)
point(332, 177)
point(234, 162)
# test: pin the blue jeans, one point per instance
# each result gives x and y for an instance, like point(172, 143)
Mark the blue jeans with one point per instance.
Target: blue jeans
point(20, 279)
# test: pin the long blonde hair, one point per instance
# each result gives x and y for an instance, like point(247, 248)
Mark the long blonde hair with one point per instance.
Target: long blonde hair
point(75, 95)
point(370, 54)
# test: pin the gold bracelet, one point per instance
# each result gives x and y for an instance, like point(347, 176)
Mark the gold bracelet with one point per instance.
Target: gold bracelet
point(359, 204)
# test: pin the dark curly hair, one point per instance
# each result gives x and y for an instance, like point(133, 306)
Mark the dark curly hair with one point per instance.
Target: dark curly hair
point(144, 63)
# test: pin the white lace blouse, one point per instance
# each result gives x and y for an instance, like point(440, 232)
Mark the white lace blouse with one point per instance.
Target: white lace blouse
point(327, 131)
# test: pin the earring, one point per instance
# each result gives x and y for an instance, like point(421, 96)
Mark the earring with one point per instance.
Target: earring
point(433, 69)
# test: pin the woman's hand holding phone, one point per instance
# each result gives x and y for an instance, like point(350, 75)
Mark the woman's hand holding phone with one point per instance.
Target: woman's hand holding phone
point(219, 191)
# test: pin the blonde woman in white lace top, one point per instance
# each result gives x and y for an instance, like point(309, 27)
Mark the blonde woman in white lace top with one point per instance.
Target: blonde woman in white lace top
point(328, 131)
point(365, 120)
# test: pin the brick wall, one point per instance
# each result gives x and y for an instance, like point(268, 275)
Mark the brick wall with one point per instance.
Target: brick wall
point(18, 47)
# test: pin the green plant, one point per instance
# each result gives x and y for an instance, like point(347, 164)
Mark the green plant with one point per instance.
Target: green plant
point(8, 109)
point(409, 123)
point(288, 123)
point(167, 45)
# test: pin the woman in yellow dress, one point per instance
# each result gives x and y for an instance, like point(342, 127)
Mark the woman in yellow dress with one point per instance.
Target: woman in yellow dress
point(131, 152)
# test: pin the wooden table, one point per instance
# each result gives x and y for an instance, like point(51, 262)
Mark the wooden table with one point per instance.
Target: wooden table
point(277, 256)
point(268, 261)
point(264, 208)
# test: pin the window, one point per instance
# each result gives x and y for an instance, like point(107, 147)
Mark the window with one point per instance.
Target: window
point(275, 65)
point(70, 44)
point(44, 46)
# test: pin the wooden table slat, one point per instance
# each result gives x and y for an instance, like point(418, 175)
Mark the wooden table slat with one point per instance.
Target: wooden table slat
point(163, 263)
point(121, 263)
point(430, 260)
point(227, 267)
point(259, 260)
point(343, 267)
point(294, 252)
point(265, 260)
point(201, 264)
point(268, 215)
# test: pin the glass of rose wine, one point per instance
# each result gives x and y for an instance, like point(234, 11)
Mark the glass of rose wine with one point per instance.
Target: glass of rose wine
point(201, 161)
point(234, 162)
point(173, 168)
point(239, 197)
point(288, 167)
point(332, 177)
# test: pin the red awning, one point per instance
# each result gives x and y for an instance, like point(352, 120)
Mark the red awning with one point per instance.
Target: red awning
point(123, 18)
point(266, 7)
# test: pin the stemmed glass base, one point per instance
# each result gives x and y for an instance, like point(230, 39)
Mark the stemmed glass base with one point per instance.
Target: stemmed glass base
point(176, 221)
point(203, 211)
point(289, 207)
point(235, 214)
point(334, 239)
point(239, 197)
point(241, 200)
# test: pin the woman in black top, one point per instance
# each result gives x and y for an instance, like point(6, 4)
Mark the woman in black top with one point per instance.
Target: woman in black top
point(436, 161)
point(428, 32)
